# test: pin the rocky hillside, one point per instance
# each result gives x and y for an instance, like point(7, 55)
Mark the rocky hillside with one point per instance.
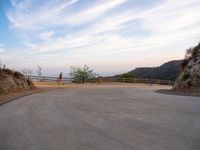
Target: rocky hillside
point(190, 74)
point(11, 81)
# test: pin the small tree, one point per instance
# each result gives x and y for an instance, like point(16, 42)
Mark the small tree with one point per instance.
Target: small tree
point(82, 75)
point(39, 70)
point(27, 71)
point(191, 53)
point(2, 66)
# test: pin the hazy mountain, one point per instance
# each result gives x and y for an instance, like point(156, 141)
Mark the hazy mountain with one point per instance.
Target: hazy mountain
point(167, 71)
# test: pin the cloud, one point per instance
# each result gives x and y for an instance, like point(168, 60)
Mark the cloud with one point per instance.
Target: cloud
point(29, 15)
point(26, 15)
point(1, 48)
point(155, 20)
point(110, 29)
point(167, 23)
point(93, 11)
point(46, 35)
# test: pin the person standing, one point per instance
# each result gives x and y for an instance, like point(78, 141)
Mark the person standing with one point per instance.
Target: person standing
point(60, 78)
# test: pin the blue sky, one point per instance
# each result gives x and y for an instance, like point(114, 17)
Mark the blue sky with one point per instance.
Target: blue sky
point(110, 36)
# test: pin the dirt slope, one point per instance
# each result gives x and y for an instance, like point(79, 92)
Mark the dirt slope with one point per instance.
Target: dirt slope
point(11, 81)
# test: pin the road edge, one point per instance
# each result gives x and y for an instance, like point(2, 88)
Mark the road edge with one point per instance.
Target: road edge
point(178, 93)
point(7, 100)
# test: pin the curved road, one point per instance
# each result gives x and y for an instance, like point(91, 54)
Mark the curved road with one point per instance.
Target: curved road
point(101, 118)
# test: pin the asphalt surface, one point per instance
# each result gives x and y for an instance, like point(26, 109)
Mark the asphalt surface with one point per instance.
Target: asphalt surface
point(101, 118)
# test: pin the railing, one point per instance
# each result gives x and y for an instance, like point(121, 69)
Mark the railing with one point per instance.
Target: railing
point(103, 79)
point(47, 79)
point(147, 81)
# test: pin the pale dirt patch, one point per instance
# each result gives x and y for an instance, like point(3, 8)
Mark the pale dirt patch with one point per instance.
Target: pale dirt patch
point(40, 87)
point(46, 86)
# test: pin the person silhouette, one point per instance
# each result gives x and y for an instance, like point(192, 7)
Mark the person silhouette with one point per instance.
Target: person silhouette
point(60, 78)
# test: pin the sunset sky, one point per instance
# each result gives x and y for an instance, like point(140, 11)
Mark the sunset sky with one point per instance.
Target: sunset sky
point(110, 36)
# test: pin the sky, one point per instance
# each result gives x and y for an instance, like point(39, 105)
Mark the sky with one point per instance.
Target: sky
point(110, 36)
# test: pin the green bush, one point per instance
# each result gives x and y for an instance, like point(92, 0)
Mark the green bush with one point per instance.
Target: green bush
point(186, 76)
point(82, 75)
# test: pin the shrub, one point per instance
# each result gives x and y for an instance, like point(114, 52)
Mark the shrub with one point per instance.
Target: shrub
point(7, 71)
point(82, 75)
point(189, 84)
point(186, 76)
point(184, 63)
point(192, 53)
point(18, 74)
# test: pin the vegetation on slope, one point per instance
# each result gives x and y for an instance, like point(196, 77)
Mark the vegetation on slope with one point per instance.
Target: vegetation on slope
point(167, 71)
point(11, 81)
point(190, 74)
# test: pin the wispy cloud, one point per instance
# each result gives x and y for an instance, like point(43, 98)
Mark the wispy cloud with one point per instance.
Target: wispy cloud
point(46, 35)
point(26, 15)
point(30, 14)
point(1, 48)
point(93, 11)
point(167, 23)
point(119, 29)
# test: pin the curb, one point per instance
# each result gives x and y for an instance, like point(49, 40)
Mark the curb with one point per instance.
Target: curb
point(178, 93)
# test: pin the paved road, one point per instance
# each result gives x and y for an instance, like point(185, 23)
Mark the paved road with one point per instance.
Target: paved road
point(101, 118)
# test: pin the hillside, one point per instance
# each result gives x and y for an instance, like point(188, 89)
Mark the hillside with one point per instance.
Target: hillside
point(167, 71)
point(190, 74)
point(11, 81)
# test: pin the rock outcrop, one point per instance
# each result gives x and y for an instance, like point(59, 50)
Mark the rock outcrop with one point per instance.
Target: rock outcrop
point(11, 81)
point(190, 74)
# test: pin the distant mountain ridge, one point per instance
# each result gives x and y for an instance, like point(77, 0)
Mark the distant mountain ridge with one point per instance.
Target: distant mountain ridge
point(167, 71)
